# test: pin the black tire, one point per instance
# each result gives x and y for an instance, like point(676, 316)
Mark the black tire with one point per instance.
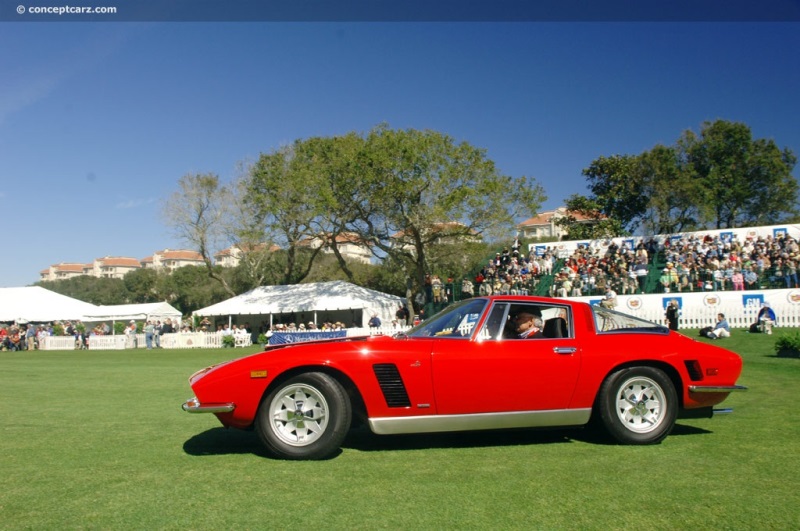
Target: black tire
point(305, 417)
point(638, 405)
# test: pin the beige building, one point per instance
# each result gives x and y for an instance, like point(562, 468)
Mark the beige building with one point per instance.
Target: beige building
point(543, 225)
point(63, 271)
point(119, 266)
point(172, 259)
point(112, 267)
point(350, 245)
point(443, 233)
point(232, 256)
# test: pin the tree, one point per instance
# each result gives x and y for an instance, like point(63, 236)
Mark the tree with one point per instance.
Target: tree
point(142, 286)
point(395, 191)
point(101, 291)
point(721, 177)
point(747, 181)
point(284, 194)
point(414, 189)
point(187, 289)
point(600, 225)
point(197, 213)
point(671, 187)
point(617, 188)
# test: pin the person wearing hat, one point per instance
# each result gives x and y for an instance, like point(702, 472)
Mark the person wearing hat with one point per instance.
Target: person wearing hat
point(766, 318)
point(664, 280)
point(528, 325)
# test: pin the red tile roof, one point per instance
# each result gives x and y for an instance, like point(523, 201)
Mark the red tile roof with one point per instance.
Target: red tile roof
point(75, 268)
point(180, 254)
point(119, 261)
point(545, 218)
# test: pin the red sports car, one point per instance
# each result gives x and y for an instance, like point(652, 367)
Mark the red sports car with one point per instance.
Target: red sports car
point(484, 363)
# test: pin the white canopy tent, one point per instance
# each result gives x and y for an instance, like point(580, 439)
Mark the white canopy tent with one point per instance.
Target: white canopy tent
point(155, 311)
point(314, 302)
point(39, 305)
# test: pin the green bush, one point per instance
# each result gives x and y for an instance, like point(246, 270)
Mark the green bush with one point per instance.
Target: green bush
point(788, 345)
point(228, 341)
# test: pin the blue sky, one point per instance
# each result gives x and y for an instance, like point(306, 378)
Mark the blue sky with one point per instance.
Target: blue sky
point(98, 121)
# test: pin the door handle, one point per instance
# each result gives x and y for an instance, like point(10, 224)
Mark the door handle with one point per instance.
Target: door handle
point(564, 350)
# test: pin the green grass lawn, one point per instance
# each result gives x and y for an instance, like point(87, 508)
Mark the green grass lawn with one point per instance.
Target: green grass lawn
point(97, 440)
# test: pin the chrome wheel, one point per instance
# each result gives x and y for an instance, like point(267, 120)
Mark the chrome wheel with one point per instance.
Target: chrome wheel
point(304, 417)
point(639, 404)
point(299, 414)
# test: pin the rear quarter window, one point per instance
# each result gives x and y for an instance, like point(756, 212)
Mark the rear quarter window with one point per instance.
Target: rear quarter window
point(608, 321)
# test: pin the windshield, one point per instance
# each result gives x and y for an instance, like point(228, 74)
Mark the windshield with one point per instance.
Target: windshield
point(606, 320)
point(457, 321)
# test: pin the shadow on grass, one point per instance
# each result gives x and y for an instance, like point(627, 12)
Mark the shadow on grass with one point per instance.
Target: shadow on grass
point(365, 441)
point(221, 441)
point(682, 429)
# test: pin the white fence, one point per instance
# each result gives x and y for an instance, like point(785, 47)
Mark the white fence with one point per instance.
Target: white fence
point(700, 309)
point(120, 342)
point(183, 340)
point(57, 343)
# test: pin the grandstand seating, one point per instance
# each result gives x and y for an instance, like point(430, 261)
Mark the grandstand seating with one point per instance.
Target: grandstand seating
point(775, 239)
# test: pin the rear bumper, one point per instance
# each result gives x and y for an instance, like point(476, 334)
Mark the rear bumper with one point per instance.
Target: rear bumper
point(193, 405)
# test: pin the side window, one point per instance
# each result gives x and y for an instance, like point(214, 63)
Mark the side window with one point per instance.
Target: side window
point(538, 321)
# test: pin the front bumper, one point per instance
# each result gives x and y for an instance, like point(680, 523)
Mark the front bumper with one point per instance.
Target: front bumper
point(193, 405)
point(716, 388)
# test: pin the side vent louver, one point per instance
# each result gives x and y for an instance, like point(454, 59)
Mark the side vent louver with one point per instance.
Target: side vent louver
point(391, 384)
point(694, 370)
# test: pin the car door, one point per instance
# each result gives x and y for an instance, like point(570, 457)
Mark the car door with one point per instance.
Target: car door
point(495, 372)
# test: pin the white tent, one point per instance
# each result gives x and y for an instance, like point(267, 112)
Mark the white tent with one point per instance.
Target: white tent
point(156, 311)
point(315, 302)
point(36, 304)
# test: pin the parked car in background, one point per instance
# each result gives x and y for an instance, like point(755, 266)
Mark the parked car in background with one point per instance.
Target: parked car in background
point(467, 368)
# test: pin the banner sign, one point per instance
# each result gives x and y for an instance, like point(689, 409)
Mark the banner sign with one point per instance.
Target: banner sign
point(282, 338)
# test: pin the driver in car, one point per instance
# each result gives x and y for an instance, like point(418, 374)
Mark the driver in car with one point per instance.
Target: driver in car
point(527, 325)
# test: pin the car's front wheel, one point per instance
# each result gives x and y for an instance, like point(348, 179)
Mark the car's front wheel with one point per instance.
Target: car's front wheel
point(638, 405)
point(306, 417)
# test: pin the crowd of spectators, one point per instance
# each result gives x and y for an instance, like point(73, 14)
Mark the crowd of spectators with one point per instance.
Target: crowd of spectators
point(20, 337)
point(680, 264)
point(685, 264)
point(28, 336)
point(714, 263)
point(511, 272)
point(594, 270)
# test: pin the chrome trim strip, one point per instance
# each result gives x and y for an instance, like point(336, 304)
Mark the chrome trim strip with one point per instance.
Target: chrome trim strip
point(479, 421)
point(716, 388)
point(193, 405)
point(723, 411)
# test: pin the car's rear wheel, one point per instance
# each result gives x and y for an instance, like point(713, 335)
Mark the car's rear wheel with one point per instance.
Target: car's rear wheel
point(638, 405)
point(305, 417)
